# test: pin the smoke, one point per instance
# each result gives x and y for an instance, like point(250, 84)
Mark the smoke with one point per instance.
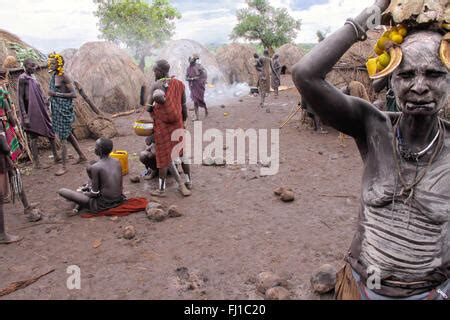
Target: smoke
point(222, 93)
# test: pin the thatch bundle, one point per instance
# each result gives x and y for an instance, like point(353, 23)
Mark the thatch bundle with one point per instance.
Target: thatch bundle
point(84, 113)
point(289, 54)
point(236, 63)
point(108, 75)
point(351, 67)
point(177, 53)
point(68, 54)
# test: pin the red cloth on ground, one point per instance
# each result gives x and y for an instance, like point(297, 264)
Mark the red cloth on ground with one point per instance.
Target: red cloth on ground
point(167, 118)
point(130, 206)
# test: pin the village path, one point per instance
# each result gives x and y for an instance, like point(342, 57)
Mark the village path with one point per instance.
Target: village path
point(233, 226)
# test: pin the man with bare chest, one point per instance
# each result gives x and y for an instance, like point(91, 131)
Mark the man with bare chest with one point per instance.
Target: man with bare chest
point(105, 188)
point(62, 93)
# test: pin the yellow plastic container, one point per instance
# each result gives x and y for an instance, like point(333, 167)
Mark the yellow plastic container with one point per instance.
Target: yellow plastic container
point(122, 156)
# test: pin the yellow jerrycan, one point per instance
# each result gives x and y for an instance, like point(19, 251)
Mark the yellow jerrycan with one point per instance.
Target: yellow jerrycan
point(122, 156)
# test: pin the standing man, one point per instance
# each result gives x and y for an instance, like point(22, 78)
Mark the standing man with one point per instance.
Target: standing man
point(62, 93)
point(34, 114)
point(197, 76)
point(275, 66)
point(262, 65)
point(168, 110)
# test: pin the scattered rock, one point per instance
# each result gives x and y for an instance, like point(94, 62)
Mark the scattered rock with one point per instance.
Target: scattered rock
point(174, 212)
point(35, 215)
point(220, 162)
point(241, 100)
point(279, 191)
point(222, 106)
point(157, 215)
point(287, 196)
point(129, 232)
point(277, 293)
point(97, 243)
point(154, 205)
point(135, 179)
point(267, 280)
point(208, 162)
point(324, 280)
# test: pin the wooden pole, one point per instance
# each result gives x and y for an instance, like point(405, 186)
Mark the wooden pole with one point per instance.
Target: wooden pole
point(291, 116)
point(86, 98)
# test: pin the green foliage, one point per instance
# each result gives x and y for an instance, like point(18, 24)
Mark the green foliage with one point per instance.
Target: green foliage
point(272, 27)
point(137, 24)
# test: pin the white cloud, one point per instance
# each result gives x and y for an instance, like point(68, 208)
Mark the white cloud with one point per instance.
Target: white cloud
point(55, 24)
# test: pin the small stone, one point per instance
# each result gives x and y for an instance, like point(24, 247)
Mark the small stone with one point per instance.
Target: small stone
point(267, 280)
point(129, 232)
point(174, 212)
point(157, 215)
point(278, 191)
point(287, 196)
point(324, 280)
point(154, 205)
point(222, 106)
point(334, 157)
point(277, 293)
point(135, 179)
point(208, 162)
point(220, 162)
point(241, 100)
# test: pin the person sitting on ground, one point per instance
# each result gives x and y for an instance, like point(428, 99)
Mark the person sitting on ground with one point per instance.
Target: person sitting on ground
point(148, 159)
point(105, 188)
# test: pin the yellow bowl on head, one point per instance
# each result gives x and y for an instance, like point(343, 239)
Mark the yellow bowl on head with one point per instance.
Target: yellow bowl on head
point(143, 128)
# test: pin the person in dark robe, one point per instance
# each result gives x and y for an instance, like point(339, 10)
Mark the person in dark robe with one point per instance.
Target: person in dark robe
point(276, 73)
point(197, 77)
point(105, 187)
point(167, 107)
point(262, 65)
point(62, 92)
point(34, 113)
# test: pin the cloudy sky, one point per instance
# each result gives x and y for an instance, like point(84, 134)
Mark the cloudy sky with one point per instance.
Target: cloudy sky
point(59, 24)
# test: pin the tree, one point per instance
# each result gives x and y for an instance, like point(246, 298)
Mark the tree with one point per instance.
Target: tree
point(138, 25)
point(261, 22)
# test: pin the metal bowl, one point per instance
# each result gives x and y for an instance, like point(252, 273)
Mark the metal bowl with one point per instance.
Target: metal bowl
point(143, 128)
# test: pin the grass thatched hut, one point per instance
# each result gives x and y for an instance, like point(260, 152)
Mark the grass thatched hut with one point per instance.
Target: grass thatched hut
point(236, 63)
point(88, 123)
point(289, 54)
point(108, 75)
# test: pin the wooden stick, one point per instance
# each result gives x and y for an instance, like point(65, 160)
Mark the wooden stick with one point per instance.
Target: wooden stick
point(13, 287)
point(86, 98)
point(291, 116)
point(123, 114)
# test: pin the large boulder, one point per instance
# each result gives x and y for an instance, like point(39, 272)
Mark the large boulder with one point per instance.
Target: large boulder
point(289, 54)
point(236, 63)
point(108, 75)
point(177, 53)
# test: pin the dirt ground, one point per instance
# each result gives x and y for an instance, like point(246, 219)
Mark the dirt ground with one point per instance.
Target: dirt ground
point(233, 227)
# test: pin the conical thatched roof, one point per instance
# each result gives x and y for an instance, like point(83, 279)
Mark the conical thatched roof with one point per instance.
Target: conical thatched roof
point(177, 53)
point(108, 75)
point(289, 54)
point(8, 38)
point(236, 63)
